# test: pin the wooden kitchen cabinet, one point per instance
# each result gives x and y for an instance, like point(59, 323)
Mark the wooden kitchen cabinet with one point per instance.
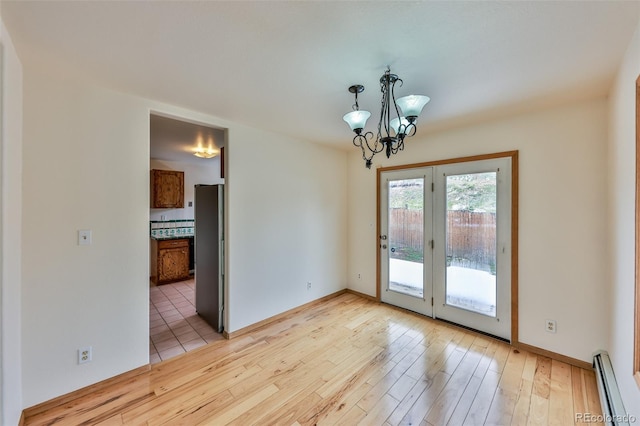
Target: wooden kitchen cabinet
point(167, 189)
point(169, 260)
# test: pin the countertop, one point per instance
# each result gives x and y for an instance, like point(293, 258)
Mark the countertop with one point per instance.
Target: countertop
point(171, 237)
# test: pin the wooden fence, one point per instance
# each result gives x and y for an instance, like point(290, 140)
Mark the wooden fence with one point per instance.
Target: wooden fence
point(471, 237)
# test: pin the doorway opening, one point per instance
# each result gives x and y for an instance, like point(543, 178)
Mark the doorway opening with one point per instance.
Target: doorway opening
point(183, 155)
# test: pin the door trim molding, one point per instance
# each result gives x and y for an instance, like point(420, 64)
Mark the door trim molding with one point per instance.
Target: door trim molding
point(636, 321)
point(514, 221)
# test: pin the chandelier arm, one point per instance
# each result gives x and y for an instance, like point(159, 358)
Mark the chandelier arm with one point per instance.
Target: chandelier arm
point(387, 108)
point(393, 96)
point(378, 147)
point(410, 130)
point(383, 101)
point(358, 141)
point(360, 145)
point(399, 146)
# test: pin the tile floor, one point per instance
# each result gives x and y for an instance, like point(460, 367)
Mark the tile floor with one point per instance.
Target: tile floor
point(175, 328)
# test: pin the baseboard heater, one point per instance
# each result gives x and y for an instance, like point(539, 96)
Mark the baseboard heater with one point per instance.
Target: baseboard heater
point(613, 411)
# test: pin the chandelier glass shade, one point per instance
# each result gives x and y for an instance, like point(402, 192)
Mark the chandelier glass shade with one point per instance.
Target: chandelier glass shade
point(391, 131)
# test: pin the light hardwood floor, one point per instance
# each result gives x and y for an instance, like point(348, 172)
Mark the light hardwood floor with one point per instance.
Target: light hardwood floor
point(344, 361)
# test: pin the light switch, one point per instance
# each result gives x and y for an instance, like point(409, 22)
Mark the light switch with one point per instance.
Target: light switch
point(84, 237)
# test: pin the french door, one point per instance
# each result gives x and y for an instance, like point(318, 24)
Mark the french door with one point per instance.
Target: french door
point(405, 242)
point(445, 242)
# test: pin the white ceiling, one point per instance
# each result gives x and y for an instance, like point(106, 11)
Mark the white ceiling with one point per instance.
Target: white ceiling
point(177, 140)
point(286, 66)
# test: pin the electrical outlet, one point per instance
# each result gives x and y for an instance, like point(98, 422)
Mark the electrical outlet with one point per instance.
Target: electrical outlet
point(84, 355)
point(359, 276)
point(550, 326)
point(84, 237)
point(308, 285)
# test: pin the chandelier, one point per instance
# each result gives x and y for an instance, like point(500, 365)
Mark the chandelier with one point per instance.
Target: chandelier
point(391, 132)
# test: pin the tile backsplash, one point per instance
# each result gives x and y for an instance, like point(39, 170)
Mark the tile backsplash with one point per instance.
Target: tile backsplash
point(171, 228)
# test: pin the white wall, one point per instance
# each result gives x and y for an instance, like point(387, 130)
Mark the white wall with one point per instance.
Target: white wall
point(11, 216)
point(562, 217)
point(86, 166)
point(194, 174)
point(287, 224)
point(621, 166)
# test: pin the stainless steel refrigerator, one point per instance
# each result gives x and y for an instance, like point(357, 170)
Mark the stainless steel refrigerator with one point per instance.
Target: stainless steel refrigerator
point(209, 256)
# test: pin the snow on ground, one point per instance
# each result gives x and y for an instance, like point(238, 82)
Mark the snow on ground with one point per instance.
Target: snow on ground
point(467, 288)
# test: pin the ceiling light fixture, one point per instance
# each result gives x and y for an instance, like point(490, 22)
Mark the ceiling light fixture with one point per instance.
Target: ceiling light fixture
point(205, 152)
point(391, 132)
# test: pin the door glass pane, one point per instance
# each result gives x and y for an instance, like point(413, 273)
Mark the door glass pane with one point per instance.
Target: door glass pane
point(406, 236)
point(471, 242)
